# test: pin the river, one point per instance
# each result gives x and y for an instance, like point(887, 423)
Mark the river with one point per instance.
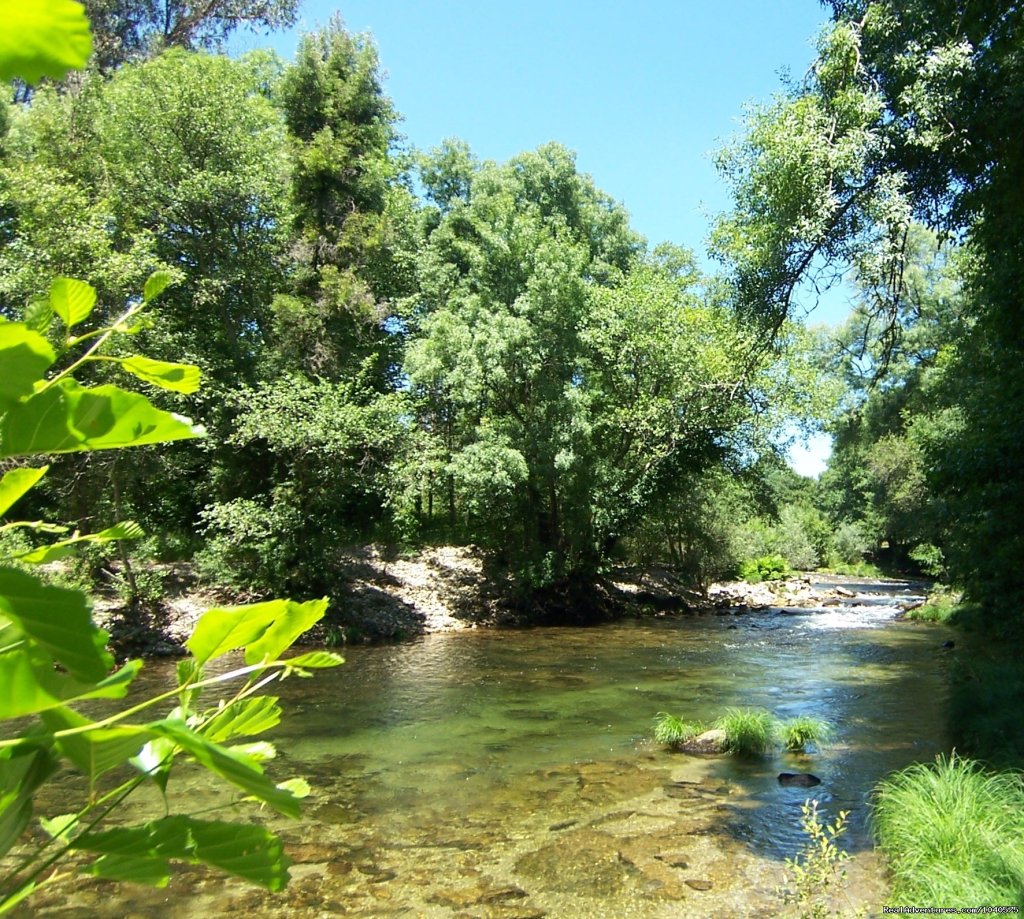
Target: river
point(514, 773)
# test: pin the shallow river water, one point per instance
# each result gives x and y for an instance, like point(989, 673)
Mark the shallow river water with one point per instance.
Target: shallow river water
point(514, 773)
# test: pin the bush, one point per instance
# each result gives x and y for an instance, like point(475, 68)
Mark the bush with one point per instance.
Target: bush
point(673, 731)
point(952, 833)
point(803, 731)
point(748, 731)
point(765, 568)
point(849, 544)
point(941, 605)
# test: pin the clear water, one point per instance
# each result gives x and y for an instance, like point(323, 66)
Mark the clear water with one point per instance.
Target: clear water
point(514, 774)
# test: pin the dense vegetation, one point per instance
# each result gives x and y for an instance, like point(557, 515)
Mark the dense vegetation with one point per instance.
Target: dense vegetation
point(415, 346)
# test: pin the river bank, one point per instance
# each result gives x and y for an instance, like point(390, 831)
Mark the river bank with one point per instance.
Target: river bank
point(394, 597)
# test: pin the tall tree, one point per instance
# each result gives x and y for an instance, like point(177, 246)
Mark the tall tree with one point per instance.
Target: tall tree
point(911, 110)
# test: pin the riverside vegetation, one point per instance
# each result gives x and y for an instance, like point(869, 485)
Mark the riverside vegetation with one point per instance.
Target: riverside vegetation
point(416, 347)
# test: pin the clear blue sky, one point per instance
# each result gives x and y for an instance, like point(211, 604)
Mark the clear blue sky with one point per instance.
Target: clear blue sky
point(644, 92)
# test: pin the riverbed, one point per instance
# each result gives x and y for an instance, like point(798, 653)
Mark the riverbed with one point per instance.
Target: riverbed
point(513, 773)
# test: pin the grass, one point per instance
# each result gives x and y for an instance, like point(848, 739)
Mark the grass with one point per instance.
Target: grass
point(953, 834)
point(673, 731)
point(941, 605)
point(804, 731)
point(748, 731)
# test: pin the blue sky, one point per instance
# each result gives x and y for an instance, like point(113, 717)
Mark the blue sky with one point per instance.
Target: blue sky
point(644, 92)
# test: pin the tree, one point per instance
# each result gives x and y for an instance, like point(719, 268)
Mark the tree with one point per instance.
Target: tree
point(130, 30)
point(911, 110)
point(567, 379)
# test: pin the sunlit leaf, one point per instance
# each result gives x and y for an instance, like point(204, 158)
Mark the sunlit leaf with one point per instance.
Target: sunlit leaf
point(17, 482)
point(72, 300)
point(156, 284)
point(183, 378)
point(58, 620)
point(316, 660)
point(42, 38)
point(298, 787)
point(25, 356)
point(243, 718)
point(236, 768)
point(264, 630)
point(32, 685)
point(127, 529)
point(155, 760)
point(59, 826)
point(259, 750)
point(96, 750)
point(39, 315)
point(67, 417)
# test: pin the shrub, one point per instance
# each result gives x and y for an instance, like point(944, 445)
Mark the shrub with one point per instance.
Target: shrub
point(765, 568)
point(799, 732)
point(817, 872)
point(673, 731)
point(952, 833)
point(748, 731)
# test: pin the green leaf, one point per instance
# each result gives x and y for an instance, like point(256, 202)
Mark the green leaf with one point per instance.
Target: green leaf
point(236, 768)
point(244, 718)
point(23, 768)
point(298, 787)
point(249, 852)
point(31, 685)
point(16, 482)
point(263, 629)
point(315, 660)
point(96, 750)
point(135, 869)
point(127, 529)
point(156, 284)
point(67, 417)
point(183, 378)
point(155, 759)
point(25, 356)
point(58, 620)
point(72, 300)
point(42, 38)
point(60, 826)
point(258, 750)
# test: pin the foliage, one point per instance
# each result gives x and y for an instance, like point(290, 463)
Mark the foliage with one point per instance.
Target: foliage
point(748, 731)
point(42, 38)
point(54, 655)
point(127, 30)
point(765, 568)
point(817, 871)
point(952, 833)
point(673, 732)
point(803, 731)
point(940, 606)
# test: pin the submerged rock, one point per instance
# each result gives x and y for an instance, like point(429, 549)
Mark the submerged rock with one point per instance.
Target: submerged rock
point(798, 779)
point(712, 741)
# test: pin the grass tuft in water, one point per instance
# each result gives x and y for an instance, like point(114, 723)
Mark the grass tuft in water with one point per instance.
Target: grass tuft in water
point(953, 833)
point(803, 731)
point(748, 731)
point(673, 731)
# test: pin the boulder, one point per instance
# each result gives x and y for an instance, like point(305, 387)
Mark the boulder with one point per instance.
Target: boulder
point(712, 741)
point(798, 779)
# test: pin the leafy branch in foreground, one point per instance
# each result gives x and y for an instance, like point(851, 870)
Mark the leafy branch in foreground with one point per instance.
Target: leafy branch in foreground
point(53, 655)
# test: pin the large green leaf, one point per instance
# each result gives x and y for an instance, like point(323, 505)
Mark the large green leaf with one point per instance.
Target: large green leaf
point(127, 529)
point(244, 718)
point(96, 750)
point(58, 620)
point(24, 356)
point(315, 660)
point(140, 853)
point(67, 417)
point(23, 769)
point(264, 630)
point(42, 38)
point(156, 284)
point(236, 768)
point(183, 378)
point(72, 300)
point(15, 483)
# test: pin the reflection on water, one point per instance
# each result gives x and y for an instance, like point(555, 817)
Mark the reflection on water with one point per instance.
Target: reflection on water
point(514, 774)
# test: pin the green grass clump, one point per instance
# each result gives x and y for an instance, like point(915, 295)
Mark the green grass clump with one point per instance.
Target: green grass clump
point(748, 731)
point(953, 833)
point(673, 731)
point(803, 731)
point(941, 605)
